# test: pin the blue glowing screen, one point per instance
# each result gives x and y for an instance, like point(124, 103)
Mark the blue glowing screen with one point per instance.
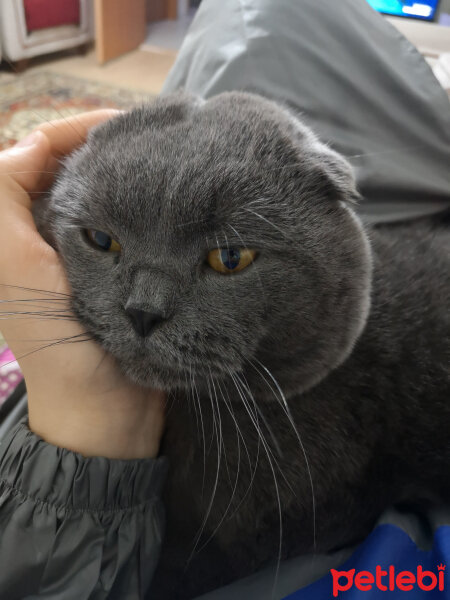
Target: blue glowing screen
point(415, 9)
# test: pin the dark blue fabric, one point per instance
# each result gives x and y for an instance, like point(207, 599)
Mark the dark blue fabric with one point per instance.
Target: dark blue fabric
point(388, 545)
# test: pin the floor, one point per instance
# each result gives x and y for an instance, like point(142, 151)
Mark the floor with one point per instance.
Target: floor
point(143, 70)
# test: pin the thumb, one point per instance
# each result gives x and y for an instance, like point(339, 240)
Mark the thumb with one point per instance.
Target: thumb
point(29, 163)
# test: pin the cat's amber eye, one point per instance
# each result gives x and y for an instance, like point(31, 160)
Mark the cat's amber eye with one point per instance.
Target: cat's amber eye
point(103, 241)
point(230, 260)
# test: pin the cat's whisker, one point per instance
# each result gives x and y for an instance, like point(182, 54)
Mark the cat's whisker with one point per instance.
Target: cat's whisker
point(215, 485)
point(170, 396)
point(47, 313)
point(263, 418)
point(254, 416)
point(27, 172)
point(68, 340)
point(264, 203)
point(239, 435)
point(234, 486)
point(34, 317)
point(214, 425)
point(402, 150)
point(260, 415)
point(283, 403)
point(220, 427)
point(28, 340)
point(258, 447)
point(252, 469)
point(268, 454)
point(186, 385)
point(222, 442)
point(190, 389)
point(41, 311)
point(27, 193)
point(52, 293)
point(194, 387)
point(191, 394)
point(267, 221)
point(219, 421)
point(396, 151)
point(33, 300)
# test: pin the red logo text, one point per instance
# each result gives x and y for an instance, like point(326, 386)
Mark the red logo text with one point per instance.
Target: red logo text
point(388, 580)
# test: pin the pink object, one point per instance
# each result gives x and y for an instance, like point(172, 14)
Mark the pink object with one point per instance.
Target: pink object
point(51, 13)
point(10, 373)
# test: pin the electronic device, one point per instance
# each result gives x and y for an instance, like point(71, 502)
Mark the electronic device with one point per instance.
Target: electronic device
point(425, 10)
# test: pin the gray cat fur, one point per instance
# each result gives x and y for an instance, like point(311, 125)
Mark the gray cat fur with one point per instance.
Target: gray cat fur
point(356, 334)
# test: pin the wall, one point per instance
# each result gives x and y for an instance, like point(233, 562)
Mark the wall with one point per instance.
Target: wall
point(445, 6)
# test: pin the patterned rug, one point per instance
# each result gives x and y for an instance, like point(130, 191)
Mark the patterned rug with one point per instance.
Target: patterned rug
point(33, 98)
point(25, 102)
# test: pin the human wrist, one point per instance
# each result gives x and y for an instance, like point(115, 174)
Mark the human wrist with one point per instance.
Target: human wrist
point(123, 424)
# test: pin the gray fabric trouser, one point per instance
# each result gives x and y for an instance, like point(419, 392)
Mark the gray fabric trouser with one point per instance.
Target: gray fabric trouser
point(356, 80)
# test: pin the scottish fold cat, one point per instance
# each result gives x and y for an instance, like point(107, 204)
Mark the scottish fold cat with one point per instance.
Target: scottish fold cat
point(214, 250)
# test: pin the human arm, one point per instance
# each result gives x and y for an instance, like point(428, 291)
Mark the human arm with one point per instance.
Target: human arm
point(77, 398)
point(80, 509)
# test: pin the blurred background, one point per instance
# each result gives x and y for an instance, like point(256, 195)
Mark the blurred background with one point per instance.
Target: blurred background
point(64, 56)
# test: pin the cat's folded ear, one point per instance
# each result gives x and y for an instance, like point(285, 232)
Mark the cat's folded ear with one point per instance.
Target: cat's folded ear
point(334, 176)
point(161, 112)
point(329, 174)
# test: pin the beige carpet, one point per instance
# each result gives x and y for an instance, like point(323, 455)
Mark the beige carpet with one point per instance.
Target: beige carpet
point(138, 70)
point(39, 96)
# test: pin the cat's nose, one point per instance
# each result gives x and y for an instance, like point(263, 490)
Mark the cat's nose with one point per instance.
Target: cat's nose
point(143, 322)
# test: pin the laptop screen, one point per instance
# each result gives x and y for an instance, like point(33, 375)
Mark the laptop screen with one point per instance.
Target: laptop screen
point(413, 9)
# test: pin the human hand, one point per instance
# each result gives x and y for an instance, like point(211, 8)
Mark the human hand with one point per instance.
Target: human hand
point(77, 398)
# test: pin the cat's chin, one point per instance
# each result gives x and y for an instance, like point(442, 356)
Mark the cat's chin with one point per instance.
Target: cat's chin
point(170, 379)
point(154, 381)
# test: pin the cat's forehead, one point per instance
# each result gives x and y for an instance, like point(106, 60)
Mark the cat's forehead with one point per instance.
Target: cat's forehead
point(182, 169)
point(177, 128)
point(177, 179)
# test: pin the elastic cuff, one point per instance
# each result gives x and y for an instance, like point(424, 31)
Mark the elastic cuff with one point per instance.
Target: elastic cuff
point(63, 478)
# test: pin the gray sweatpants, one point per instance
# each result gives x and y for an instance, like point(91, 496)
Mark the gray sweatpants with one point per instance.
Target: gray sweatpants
point(355, 79)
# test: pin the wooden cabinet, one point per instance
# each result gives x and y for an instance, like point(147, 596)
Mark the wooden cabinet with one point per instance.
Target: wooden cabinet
point(121, 25)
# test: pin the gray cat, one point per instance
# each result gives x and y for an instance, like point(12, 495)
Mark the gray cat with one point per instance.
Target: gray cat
point(213, 250)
